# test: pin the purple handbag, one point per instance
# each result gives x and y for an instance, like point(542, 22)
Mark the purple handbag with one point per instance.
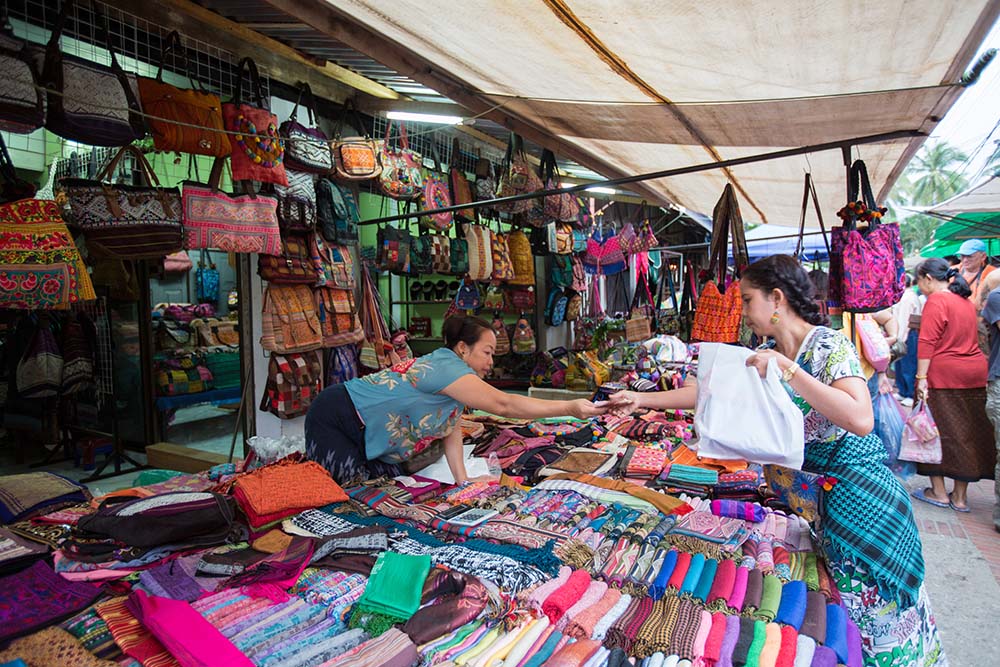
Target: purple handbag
point(306, 148)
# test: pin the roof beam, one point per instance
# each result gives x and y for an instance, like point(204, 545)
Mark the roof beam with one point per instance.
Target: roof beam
point(280, 61)
point(329, 19)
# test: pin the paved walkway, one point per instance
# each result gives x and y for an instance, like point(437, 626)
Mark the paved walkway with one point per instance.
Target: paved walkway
point(962, 556)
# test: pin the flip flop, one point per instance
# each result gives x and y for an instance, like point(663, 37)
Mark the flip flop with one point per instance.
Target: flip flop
point(920, 494)
point(963, 510)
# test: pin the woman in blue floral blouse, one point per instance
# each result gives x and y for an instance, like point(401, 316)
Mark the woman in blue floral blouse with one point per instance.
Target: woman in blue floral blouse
point(365, 427)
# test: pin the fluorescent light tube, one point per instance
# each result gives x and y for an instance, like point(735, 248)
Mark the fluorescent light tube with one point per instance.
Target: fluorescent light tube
point(424, 118)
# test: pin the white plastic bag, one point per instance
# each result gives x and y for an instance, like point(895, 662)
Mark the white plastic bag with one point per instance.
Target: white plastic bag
point(740, 415)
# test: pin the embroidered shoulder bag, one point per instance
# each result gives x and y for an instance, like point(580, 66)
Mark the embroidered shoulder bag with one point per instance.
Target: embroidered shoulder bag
point(294, 266)
point(355, 157)
point(461, 190)
point(717, 316)
point(289, 323)
point(402, 177)
point(337, 212)
point(436, 195)
point(518, 177)
point(258, 151)
point(22, 104)
point(479, 239)
point(564, 207)
point(307, 148)
point(293, 381)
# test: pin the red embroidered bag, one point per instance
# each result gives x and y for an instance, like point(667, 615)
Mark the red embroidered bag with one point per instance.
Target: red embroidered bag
point(258, 151)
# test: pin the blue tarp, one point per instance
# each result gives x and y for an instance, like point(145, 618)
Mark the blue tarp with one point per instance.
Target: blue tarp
point(761, 242)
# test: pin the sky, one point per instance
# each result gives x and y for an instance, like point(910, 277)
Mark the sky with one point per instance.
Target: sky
point(971, 120)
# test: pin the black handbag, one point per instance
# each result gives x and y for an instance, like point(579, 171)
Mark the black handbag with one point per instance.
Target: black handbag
point(87, 102)
point(22, 104)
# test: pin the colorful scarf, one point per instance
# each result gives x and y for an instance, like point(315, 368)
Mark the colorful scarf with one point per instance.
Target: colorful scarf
point(546, 650)
point(629, 624)
point(735, 509)
point(564, 597)
point(51, 646)
point(792, 610)
point(743, 641)
point(814, 623)
point(393, 592)
point(604, 625)
point(789, 645)
point(755, 589)
point(729, 640)
point(686, 630)
point(656, 632)
point(273, 575)
point(824, 656)
point(451, 600)
point(715, 639)
point(36, 597)
point(704, 586)
point(722, 585)
point(757, 644)
point(735, 599)
point(836, 631)
point(772, 645)
point(541, 593)
point(805, 648)
point(770, 598)
point(574, 654)
point(595, 592)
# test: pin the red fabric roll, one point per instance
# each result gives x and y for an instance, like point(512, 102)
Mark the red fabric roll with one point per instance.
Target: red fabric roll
point(713, 645)
point(725, 577)
point(680, 571)
point(566, 596)
point(789, 645)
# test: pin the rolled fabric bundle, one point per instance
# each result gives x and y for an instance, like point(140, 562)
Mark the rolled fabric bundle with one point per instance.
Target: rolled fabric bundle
point(735, 600)
point(827, 585)
point(789, 647)
point(704, 586)
point(743, 642)
point(634, 625)
point(855, 657)
point(805, 647)
point(616, 637)
point(713, 643)
point(836, 631)
point(704, 629)
point(722, 585)
point(546, 650)
point(539, 643)
point(811, 576)
point(595, 591)
point(824, 656)
point(755, 589)
point(502, 646)
point(749, 560)
point(792, 610)
point(538, 596)
point(659, 586)
point(770, 598)
point(814, 624)
point(609, 619)
point(680, 571)
point(582, 626)
point(520, 650)
point(782, 562)
point(757, 645)
point(772, 645)
point(693, 575)
point(566, 596)
point(729, 641)
point(658, 628)
point(765, 556)
point(738, 509)
point(573, 654)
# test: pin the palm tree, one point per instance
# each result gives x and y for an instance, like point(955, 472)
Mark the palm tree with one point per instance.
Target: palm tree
point(936, 175)
point(993, 164)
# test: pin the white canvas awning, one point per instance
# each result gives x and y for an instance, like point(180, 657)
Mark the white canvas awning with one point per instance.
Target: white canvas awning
point(636, 86)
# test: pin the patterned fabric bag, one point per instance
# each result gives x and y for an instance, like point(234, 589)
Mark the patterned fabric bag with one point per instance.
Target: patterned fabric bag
point(289, 322)
point(717, 316)
point(604, 254)
point(40, 370)
point(301, 185)
point(296, 215)
point(524, 338)
point(503, 340)
point(522, 299)
point(401, 176)
point(480, 251)
point(294, 266)
point(183, 375)
point(440, 254)
point(337, 212)
point(207, 280)
point(458, 256)
point(22, 104)
point(421, 254)
point(868, 273)
point(40, 263)
point(334, 264)
point(468, 297)
point(461, 191)
point(518, 177)
point(564, 207)
point(574, 306)
point(555, 309)
point(258, 151)
point(394, 250)
point(232, 223)
point(338, 317)
point(342, 364)
point(90, 103)
point(126, 221)
point(436, 195)
point(199, 128)
point(521, 258)
point(798, 490)
point(355, 157)
point(503, 268)
point(486, 182)
point(307, 148)
point(293, 382)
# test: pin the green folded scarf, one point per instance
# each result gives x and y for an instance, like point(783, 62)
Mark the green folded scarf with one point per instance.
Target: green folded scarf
point(757, 645)
point(393, 592)
point(770, 599)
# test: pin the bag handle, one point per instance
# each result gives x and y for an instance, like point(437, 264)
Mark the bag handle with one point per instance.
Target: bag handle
point(359, 125)
point(305, 90)
point(172, 43)
point(547, 167)
point(859, 185)
point(141, 161)
point(52, 48)
point(809, 192)
point(257, 89)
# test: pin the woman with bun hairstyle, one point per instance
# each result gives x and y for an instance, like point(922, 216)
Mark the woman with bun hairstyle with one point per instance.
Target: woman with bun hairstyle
point(951, 377)
point(365, 427)
point(869, 535)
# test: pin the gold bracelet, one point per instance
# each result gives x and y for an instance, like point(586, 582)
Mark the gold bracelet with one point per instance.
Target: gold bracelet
point(919, 377)
point(790, 372)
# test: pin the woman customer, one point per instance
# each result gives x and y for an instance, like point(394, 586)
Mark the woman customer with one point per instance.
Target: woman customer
point(365, 427)
point(871, 540)
point(951, 375)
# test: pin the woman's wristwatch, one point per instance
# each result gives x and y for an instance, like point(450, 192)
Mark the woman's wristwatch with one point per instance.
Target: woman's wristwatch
point(790, 372)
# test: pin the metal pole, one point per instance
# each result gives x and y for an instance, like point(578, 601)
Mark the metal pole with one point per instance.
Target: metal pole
point(667, 173)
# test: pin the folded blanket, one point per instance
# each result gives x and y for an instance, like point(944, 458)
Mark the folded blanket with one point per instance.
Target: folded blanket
point(792, 610)
point(564, 597)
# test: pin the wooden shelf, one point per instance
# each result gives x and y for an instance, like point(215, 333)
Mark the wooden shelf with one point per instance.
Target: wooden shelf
point(440, 302)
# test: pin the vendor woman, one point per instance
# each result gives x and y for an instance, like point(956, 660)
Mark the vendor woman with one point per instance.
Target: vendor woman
point(365, 427)
point(870, 537)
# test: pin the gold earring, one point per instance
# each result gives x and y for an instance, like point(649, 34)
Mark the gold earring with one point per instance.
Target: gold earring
point(774, 318)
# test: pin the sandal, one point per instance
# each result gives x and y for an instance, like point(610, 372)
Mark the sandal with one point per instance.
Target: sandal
point(963, 510)
point(921, 494)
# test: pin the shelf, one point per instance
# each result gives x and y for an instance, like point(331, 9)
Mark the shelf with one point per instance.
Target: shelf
point(422, 303)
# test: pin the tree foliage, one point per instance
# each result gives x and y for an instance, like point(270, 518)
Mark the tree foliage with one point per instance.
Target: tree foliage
point(932, 176)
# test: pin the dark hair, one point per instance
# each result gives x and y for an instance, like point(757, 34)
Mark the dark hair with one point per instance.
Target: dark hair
point(909, 280)
point(462, 328)
point(938, 269)
point(952, 260)
point(785, 273)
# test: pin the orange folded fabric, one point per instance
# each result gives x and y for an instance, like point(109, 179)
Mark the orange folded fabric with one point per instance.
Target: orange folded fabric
point(661, 501)
point(279, 488)
point(684, 455)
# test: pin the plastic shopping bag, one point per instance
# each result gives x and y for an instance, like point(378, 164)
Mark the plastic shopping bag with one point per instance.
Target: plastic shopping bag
point(740, 415)
point(921, 442)
point(891, 418)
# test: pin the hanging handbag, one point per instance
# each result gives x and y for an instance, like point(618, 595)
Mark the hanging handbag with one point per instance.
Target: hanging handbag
point(401, 177)
point(186, 120)
point(521, 257)
point(246, 223)
point(518, 177)
point(564, 207)
point(90, 103)
point(337, 212)
point(503, 340)
point(258, 152)
point(718, 315)
point(293, 382)
point(177, 262)
point(421, 256)
point(40, 370)
point(289, 322)
point(503, 268)
point(604, 254)
point(639, 326)
point(436, 195)
point(555, 309)
point(486, 183)
point(338, 317)
point(667, 316)
point(458, 257)
point(479, 240)
point(307, 148)
point(468, 297)
point(820, 279)
point(393, 250)
point(294, 266)
point(127, 221)
point(297, 202)
point(207, 280)
point(334, 264)
point(376, 351)
point(461, 190)
point(355, 157)
point(301, 186)
point(22, 104)
point(869, 264)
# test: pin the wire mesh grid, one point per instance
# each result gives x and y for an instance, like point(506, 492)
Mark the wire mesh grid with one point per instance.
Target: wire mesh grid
point(97, 311)
point(436, 142)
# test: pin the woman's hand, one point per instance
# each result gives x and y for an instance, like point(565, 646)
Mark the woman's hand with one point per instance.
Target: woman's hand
point(759, 360)
point(920, 389)
point(624, 403)
point(480, 478)
point(581, 408)
point(884, 386)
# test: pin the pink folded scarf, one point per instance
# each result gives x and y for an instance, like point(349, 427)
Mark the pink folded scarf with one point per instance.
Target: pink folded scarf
point(593, 594)
point(582, 625)
point(566, 596)
point(538, 596)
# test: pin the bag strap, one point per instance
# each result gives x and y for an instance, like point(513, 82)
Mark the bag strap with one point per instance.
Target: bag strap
point(256, 88)
point(305, 90)
point(141, 162)
point(809, 193)
point(102, 26)
point(859, 185)
point(350, 108)
point(172, 42)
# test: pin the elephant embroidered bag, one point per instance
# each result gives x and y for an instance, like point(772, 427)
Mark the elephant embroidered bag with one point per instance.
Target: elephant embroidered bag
point(258, 151)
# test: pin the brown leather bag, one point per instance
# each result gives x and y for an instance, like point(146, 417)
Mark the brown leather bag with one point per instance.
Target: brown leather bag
point(294, 266)
point(186, 120)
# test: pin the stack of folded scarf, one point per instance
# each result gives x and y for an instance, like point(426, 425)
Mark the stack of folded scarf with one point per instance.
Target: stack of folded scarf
point(646, 462)
point(275, 492)
point(393, 592)
point(736, 509)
